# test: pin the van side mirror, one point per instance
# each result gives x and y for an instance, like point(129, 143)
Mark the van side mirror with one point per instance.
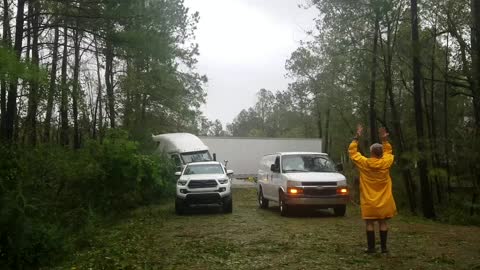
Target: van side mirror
point(178, 173)
point(229, 172)
point(339, 167)
point(274, 168)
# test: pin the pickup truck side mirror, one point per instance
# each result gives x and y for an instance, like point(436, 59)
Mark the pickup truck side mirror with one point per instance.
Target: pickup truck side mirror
point(339, 167)
point(178, 173)
point(274, 168)
point(229, 172)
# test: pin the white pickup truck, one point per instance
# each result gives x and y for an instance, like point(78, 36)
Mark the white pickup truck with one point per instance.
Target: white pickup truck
point(203, 183)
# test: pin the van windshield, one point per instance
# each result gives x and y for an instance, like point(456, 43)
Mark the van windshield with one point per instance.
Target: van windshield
point(196, 157)
point(203, 169)
point(307, 163)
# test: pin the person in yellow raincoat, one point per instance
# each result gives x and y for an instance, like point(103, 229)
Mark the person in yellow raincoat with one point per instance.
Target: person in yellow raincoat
point(376, 198)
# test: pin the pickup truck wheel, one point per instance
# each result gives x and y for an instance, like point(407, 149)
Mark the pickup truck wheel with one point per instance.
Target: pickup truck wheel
point(262, 202)
point(179, 206)
point(282, 205)
point(228, 205)
point(340, 210)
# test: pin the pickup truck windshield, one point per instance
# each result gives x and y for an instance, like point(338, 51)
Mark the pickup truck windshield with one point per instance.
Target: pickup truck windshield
point(307, 163)
point(204, 169)
point(196, 157)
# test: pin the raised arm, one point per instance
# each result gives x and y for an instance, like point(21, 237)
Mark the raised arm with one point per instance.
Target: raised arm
point(355, 156)
point(387, 147)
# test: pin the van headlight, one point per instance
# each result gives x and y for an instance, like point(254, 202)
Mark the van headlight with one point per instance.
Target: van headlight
point(291, 183)
point(223, 181)
point(182, 182)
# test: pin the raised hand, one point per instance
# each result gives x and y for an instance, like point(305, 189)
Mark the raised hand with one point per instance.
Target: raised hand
point(359, 130)
point(383, 134)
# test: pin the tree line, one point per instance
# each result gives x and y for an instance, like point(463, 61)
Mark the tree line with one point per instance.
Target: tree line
point(411, 67)
point(83, 85)
point(72, 69)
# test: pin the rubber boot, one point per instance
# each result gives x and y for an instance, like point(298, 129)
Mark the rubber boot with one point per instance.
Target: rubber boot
point(370, 242)
point(383, 241)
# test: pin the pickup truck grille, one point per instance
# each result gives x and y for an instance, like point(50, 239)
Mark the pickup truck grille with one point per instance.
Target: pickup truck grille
point(319, 192)
point(319, 184)
point(202, 184)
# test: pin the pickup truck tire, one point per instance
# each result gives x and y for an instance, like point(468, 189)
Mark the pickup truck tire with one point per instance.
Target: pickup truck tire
point(284, 209)
point(228, 205)
point(179, 206)
point(262, 202)
point(340, 210)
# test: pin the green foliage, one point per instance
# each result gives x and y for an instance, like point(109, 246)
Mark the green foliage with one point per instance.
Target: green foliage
point(48, 191)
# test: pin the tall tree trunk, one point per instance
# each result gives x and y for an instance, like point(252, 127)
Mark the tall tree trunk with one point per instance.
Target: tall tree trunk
point(475, 40)
point(31, 120)
point(319, 118)
point(433, 127)
point(64, 90)
point(445, 119)
point(52, 88)
point(427, 201)
point(373, 81)
point(98, 103)
point(327, 131)
point(109, 80)
point(3, 80)
point(75, 88)
point(11, 111)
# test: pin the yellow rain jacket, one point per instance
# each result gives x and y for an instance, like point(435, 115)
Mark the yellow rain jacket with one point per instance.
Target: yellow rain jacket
point(376, 198)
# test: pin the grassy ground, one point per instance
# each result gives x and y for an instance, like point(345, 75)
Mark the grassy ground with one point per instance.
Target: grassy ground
point(253, 238)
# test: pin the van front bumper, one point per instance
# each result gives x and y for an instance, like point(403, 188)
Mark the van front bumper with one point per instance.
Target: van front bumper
point(324, 201)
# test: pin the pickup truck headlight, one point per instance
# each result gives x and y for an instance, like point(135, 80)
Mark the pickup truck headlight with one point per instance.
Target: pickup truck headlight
point(182, 182)
point(223, 181)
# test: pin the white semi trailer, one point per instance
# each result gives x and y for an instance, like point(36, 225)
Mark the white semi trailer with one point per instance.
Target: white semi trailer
point(244, 153)
point(183, 148)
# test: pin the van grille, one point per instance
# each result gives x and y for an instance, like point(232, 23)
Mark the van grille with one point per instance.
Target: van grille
point(321, 184)
point(319, 192)
point(202, 183)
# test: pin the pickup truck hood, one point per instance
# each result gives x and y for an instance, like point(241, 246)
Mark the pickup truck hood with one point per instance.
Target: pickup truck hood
point(203, 177)
point(315, 177)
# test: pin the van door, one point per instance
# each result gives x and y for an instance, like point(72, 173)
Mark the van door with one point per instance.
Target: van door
point(275, 179)
point(263, 175)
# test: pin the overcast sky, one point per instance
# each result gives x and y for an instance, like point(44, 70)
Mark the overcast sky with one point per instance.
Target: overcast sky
point(243, 47)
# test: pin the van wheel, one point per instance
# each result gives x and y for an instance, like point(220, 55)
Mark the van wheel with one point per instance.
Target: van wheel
point(228, 205)
point(340, 210)
point(282, 205)
point(262, 202)
point(179, 206)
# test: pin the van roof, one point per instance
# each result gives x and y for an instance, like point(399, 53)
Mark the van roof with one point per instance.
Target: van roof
point(179, 142)
point(298, 153)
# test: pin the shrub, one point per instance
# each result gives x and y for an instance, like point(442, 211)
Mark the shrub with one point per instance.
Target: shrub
point(48, 192)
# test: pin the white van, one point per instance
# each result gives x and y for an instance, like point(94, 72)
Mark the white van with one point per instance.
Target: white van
point(295, 179)
point(183, 148)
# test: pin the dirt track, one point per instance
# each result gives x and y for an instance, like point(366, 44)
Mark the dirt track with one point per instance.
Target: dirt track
point(252, 238)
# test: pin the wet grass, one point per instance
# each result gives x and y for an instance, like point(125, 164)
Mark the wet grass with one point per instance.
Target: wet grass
point(253, 238)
